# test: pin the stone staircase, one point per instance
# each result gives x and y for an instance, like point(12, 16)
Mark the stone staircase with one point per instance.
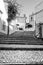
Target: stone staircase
point(17, 40)
point(10, 55)
point(22, 40)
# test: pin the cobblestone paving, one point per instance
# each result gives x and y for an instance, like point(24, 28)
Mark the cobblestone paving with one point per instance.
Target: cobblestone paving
point(20, 56)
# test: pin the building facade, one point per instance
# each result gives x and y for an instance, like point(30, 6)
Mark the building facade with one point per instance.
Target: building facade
point(39, 19)
point(16, 25)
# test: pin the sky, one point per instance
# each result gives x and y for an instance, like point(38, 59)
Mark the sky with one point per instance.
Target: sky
point(28, 7)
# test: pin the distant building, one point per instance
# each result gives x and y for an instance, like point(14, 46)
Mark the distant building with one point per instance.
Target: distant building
point(18, 24)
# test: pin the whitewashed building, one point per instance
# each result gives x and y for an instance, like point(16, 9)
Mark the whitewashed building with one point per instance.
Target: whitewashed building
point(39, 19)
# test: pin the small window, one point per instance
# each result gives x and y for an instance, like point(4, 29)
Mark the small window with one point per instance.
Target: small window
point(31, 18)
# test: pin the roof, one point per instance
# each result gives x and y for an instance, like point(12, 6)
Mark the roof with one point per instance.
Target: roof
point(36, 13)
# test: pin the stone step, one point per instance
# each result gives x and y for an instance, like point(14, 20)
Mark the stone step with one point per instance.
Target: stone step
point(18, 38)
point(22, 42)
point(21, 57)
point(20, 46)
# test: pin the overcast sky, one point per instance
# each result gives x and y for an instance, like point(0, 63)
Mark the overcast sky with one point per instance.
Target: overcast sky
point(28, 6)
